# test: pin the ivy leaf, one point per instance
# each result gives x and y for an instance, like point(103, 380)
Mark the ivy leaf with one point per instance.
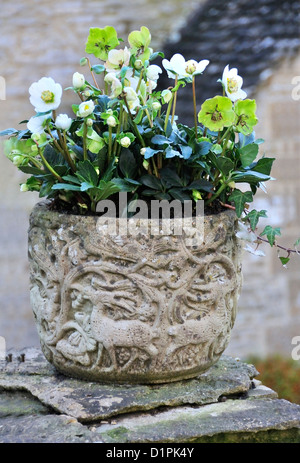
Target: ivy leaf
point(284, 260)
point(254, 216)
point(271, 233)
point(240, 199)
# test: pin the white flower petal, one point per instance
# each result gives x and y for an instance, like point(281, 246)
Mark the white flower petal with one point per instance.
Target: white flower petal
point(45, 94)
point(35, 124)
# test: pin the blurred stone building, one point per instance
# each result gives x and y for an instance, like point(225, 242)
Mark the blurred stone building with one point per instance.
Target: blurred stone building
point(43, 38)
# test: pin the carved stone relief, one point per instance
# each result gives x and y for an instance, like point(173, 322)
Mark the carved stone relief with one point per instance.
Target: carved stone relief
point(123, 309)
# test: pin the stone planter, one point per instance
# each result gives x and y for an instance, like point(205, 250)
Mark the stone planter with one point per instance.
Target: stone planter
point(143, 309)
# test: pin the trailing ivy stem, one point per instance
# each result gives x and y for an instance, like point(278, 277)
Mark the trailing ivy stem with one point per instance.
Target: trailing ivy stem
point(168, 112)
point(195, 107)
point(175, 100)
point(85, 156)
point(47, 165)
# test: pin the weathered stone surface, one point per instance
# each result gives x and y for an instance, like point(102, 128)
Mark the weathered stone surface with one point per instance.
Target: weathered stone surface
point(89, 402)
point(20, 404)
point(59, 409)
point(264, 420)
point(44, 429)
point(133, 301)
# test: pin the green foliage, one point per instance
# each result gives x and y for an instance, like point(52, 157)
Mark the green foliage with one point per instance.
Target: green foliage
point(127, 137)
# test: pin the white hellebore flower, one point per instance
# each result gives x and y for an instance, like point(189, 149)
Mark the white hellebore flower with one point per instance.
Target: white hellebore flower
point(153, 72)
point(86, 108)
point(131, 98)
point(178, 66)
point(45, 94)
point(117, 59)
point(78, 80)
point(63, 122)
point(115, 83)
point(125, 142)
point(232, 84)
point(36, 125)
point(111, 121)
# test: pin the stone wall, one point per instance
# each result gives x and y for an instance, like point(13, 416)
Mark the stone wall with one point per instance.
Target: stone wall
point(47, 38)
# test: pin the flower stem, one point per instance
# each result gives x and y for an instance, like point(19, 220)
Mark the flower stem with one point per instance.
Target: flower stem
point(93, 76)
point(175, 101)
point(47, 165)
point(215, 196)
point(195, 107)
point(137, 132)
point(109, 143)
point(85, 156)
point(168, 112)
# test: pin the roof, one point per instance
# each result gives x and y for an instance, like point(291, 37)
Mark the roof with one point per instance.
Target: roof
point(251, 36)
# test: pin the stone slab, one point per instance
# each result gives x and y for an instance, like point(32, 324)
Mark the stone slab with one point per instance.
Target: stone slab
point(45, 429)
point(265, 420)
point(88, 402)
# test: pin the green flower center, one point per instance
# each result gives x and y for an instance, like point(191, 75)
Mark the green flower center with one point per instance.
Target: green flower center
point(191, 66)
point(47, 96)
point(232, 85)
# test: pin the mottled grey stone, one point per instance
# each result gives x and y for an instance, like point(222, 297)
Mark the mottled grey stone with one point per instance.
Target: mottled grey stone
point(44, 429)
point(266, 420)
point(20, 404)
point(87, 401)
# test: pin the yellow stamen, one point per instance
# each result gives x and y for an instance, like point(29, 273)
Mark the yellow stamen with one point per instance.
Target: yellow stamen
point(232, 85)
point(47, 96)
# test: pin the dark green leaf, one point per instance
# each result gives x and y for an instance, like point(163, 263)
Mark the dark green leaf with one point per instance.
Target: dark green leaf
point(170, 177)
point(271, 233)
point(87, 173)
point(127, 163)
point(264, 166)
point(31, 170)
point(254, 216)
point(284, 260)
point(240, 199)
point(202, 185)
point(177, 193)
point(65, 186)
point(151, 182)
point(248, 154)
point(249, 176)
point(223, 164)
